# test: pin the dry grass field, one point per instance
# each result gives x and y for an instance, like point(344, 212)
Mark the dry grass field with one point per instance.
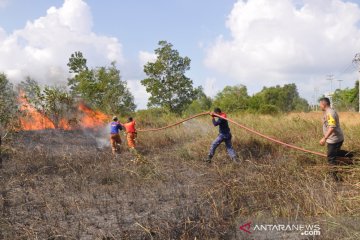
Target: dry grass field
point(58, 184)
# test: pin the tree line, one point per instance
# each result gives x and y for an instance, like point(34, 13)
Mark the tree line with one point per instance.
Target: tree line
point(103, 89)
point(347, 99)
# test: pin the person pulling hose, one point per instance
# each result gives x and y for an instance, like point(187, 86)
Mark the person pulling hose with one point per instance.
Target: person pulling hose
point(224, 136)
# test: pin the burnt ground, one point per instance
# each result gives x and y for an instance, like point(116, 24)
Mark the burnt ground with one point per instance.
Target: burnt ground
point(60, 184)
point(66, 185)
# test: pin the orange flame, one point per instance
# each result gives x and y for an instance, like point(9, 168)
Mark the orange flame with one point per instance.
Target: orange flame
point(91, 118)
point(36, 120)
point(33, 119)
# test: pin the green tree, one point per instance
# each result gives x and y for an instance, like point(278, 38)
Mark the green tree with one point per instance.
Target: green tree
point(269, 100)
point(301, 105)
point(52, 101)
point(357, 95)
point(8, 102)
point(269, 109)
point(232, 99)
point(285, 98)
point(101, 87)
point(58, 103)
point(200, 104)
point(77, 63)
point(255, 102)
point(30, 89)
point(347, 99)
point(166, 80)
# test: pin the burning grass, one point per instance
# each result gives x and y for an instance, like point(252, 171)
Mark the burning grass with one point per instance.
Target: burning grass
point(59, 184)
point(35, 119)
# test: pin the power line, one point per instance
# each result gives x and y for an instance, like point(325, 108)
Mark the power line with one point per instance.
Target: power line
point(348, 68)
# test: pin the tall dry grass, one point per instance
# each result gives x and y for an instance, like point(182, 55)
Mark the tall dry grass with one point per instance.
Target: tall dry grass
point(59, 185)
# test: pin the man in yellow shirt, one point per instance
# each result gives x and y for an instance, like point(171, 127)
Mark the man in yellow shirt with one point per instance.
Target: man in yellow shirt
point(333, 135)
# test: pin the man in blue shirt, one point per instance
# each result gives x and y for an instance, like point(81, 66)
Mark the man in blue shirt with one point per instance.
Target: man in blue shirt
point(115, 140)
point(224, 136)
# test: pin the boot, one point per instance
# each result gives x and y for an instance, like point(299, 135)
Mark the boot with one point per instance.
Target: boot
point(208, 159)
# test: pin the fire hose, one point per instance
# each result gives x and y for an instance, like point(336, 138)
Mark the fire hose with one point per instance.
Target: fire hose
point(238, 125)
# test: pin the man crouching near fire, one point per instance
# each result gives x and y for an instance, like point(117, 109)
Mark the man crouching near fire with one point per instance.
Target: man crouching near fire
point(115, 140)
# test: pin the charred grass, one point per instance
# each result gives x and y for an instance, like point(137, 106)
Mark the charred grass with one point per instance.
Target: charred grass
point(61, 185)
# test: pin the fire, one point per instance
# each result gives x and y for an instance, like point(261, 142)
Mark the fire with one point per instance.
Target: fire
point(34, 119)
point(91, 118)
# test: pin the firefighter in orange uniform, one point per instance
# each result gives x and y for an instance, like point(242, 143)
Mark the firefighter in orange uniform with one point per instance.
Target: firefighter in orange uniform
point(130, 132)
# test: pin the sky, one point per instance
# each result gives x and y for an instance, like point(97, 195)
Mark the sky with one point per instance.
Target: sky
point(256, 43)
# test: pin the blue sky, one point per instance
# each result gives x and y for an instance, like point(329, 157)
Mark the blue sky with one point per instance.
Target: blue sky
point(230, 42)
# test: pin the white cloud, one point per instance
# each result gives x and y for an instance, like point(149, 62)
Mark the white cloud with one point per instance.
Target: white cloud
point(145, 57)
point(281, 41)
point(2, 34)
point(139, 92)
point(42, 48)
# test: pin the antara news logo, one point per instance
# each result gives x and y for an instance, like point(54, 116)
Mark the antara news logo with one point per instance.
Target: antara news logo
point(303, 229)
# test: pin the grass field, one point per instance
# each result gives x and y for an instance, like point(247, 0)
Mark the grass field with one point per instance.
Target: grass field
point(66, 184)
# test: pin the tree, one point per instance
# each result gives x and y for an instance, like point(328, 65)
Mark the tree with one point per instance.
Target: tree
point(357, 95)
point(285, 98)
point(51, 101)
point(102, 87)
point(347, 99)
point(8, 102)
point(232, 99)
point(77, 63)
point(82, 75)
point(270, 100)
point(200, 104)
point(269, 109)
point(32, 92)
point(166, 80)
point(255, 102)
point(58, 103)
point(113, 93)
point(301, 105)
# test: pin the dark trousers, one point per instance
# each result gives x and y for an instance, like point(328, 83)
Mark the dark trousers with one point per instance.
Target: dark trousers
point(223, 138)
point(333, 151)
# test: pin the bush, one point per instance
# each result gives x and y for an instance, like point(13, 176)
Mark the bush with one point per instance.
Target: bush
point(8, 106)
point(269, 109)
point(154, 117)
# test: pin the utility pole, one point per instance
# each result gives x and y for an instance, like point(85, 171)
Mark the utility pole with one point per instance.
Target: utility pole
point(313, 105)
point(356, 60)
point(339, 80)
point(330, 78)
point(316, 93)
